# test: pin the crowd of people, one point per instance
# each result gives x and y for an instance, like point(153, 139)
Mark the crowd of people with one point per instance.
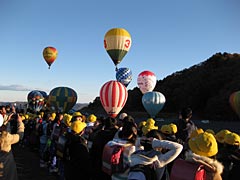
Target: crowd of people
point(72, 145)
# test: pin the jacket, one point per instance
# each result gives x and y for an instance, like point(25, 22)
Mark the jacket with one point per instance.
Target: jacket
point(213, 167)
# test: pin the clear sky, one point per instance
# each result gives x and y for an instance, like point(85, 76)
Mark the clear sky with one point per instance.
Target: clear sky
point(167, 36)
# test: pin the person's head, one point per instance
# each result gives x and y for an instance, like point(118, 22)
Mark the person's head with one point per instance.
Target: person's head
point(204, 144)
point(2, 110)
point(121, 118)
point(91, 118)
point(67, 119)
point(232, 140)
point(150, 125)
point(129, 132)
point(109, 122)
point(186, 113)
point(221, 135)
point(196, 132)
point(151, 134)
point(77, 127)
point(77, 116)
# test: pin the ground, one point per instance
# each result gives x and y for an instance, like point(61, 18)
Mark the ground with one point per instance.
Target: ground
point(27, 162)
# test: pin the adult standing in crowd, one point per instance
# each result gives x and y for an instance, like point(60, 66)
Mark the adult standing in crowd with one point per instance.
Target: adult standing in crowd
point(8, 170)
point(185, 126)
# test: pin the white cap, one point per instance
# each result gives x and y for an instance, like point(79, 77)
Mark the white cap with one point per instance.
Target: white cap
point(122, 116)
point(1, 120)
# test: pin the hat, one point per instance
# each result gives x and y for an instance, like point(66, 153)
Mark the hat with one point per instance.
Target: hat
point(232, 139)
point(210, 131)
point(204, 144)
point(1, 120)
point(221, 134)
point(52, 116)
point(67, 119)
point(173, 128)
point(142, 123)
point(92, 118)
point(165, 129)
point(150, 125)
point(78, 126)
point(77, 114)
point(122, 116)
point(196, 132)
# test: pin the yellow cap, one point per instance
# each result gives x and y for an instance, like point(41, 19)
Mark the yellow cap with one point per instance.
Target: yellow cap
point(196, 132)
point(92, 118)
point(150, 125)
point(210, 131)
point(76, 114)
point(67, 119)
point(232, 139)
point(204, 144)
point(78, 126)
point(221, 134)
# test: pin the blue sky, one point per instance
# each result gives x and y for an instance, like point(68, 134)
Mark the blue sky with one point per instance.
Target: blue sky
point(167, 36)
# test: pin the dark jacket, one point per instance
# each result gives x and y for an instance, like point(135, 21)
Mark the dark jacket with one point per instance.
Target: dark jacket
point(78, 163)
point(97, 149)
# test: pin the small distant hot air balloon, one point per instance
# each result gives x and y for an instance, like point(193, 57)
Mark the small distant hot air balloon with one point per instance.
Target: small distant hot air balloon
point(124, 76)
point(113, 96)
point(146, 81)
point(62, 99)
point(153, 102)
point(50, 55)
point(117, 42)
point(234, 101)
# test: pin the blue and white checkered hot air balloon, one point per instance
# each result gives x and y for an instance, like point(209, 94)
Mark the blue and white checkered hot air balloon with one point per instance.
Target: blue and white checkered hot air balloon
point(124, 76)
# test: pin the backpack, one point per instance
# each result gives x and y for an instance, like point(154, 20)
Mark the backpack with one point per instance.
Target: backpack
point(56, 133)
point(147, 172)
point(112, 159)
point(40, 130)
point(186, 170)
point(61, 146)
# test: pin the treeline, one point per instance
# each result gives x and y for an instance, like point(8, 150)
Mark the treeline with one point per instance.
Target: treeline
point(205, 87)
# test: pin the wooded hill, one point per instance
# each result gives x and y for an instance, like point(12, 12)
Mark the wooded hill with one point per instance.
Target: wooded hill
point(205, 87)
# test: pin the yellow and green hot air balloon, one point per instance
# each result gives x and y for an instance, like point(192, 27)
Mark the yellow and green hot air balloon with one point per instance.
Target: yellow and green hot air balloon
point(117, 42)
point(62, 99)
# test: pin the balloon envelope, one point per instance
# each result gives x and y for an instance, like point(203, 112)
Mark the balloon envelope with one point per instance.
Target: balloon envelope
point(117, 42)
point(146, 81)
point(50, 55)
point(234, 101)
point(113, 96)
point(62, 99)
point(36, 100)
point(153, 102)
point(124, 76)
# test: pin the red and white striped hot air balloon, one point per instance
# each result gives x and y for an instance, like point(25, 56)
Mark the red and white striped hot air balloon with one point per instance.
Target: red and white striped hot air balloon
point(113, 96)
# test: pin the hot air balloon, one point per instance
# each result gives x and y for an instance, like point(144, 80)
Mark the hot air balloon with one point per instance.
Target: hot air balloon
point(146, 81)
point(50, 55)
point(113, 96)
point(62, 99)
point(35, 100)
point(234, 101)
point(153, 102)
point(124, 76)
point(117, 42)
